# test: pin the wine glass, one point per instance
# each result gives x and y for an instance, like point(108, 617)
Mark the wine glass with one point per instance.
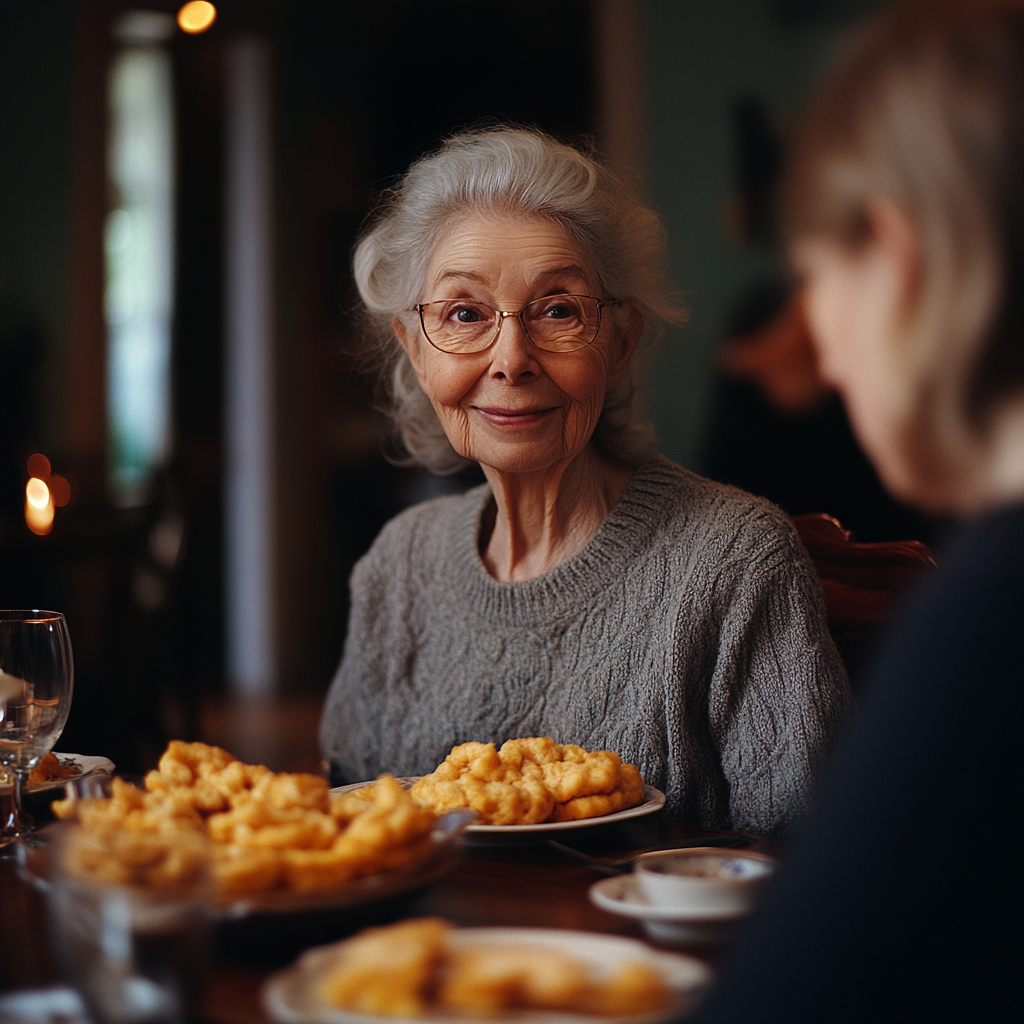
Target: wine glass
point(36, 680)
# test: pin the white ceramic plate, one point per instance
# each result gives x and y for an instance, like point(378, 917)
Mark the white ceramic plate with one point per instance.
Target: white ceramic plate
point(654, 800)
point(621, 895)
point(290, 996)
point(89, 763)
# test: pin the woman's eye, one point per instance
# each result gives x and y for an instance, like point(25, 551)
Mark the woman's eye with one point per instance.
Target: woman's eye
point(467, 315)
point(559, 311)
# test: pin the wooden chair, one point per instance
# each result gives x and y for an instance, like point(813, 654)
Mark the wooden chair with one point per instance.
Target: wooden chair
point(860, 581)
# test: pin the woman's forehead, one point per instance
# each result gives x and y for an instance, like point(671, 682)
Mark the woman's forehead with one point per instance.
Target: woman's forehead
point(489, 250)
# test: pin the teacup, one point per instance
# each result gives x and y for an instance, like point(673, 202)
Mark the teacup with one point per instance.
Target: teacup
point(703, 881)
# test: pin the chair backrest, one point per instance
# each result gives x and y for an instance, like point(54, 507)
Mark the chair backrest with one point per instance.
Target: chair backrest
point(860, 581)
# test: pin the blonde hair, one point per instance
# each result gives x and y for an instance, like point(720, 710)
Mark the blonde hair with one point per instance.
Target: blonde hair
point(526, 173)
point(927, 110)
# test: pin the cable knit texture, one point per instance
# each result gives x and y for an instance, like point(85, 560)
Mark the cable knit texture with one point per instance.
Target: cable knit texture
point(688, 635)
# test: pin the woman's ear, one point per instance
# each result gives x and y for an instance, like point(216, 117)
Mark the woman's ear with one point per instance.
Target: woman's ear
point(896, 234)
point(410, 341)
point(627, 340)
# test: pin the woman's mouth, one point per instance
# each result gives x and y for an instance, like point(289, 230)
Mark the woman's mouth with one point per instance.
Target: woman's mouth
point(513, 418)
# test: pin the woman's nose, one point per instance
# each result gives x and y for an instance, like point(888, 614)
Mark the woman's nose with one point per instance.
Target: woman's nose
point(512, 355)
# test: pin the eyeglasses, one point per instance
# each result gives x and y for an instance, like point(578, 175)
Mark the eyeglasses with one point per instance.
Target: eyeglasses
point(554, 323)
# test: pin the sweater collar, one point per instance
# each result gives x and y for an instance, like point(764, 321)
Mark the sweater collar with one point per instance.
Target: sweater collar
point(578, 581)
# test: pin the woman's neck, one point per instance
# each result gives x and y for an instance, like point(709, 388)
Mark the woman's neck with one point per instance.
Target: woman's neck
point(997, 476)
point(973, 471)
point(541, 519)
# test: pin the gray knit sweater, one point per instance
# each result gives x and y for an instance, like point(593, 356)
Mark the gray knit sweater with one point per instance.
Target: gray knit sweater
point(688, 635)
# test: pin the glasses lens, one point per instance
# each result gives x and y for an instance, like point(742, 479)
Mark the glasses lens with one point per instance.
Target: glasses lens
point(458, 325)
point(562, 323)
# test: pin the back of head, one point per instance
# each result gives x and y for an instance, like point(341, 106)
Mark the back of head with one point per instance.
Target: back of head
point(927, 110)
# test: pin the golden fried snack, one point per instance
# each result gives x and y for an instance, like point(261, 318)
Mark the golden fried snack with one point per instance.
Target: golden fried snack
point(346, 806)
point(49, 769)
point(495, 978)
point(629, 793)
point(240, 870)
point(474, 775)
point(259, 823)
point(160, 856)
point(529, 781)
point(269, 830)
point(391, 832)
point(412, 968)
point(388, 970)
point(633, 989)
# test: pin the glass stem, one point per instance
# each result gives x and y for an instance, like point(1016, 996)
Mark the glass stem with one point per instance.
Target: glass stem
point(8, 816)
point(20, 820)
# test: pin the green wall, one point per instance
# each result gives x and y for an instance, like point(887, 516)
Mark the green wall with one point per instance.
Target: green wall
point(701, 56)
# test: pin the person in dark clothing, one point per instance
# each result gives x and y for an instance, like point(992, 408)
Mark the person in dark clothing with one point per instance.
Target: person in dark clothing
point(900, 899)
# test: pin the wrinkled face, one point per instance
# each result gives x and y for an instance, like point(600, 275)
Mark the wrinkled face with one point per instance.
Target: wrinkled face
point(514, 407)
point(853, 303)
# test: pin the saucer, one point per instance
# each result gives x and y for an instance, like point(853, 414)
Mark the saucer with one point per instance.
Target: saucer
point(621, 895)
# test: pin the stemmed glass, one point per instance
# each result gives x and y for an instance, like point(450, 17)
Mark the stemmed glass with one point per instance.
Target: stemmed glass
point(36, 680)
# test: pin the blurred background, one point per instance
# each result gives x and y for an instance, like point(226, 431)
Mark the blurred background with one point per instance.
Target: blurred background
point(190, 462)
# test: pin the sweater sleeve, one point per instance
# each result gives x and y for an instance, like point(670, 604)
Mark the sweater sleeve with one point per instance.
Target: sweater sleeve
point(356, 702)
point(779, 694)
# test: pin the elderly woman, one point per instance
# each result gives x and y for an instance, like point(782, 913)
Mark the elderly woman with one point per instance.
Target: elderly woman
point(906, 211)
point(591, 591)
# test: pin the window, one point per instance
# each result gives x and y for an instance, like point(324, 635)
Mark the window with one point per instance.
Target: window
point(139, 253)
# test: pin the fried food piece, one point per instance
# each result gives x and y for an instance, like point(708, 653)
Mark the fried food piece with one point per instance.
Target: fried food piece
point(629, 794)
point(501, 977)
point(213, 779)
point(529, 781)
point(597, 772)
point(49, 769)
point(161, 856)
point(474, 775)
point(242, 870)
point(262, 825)
point(514, 802)
point(181, 764)
point(387, 970)
point(389, 831)
point(536, 749)
point(411, 968)
point(346, 806)
point(393, 823)
point(269, 830)
point(124, 799)
point(633, 989)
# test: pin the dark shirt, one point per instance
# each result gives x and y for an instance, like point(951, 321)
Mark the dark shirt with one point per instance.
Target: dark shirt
point(900, 899)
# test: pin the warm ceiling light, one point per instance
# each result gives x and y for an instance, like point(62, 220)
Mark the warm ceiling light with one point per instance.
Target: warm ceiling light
point(38, 507)
point(37, 494)
point(60, 490)
point(39, 466)
point(196, 17)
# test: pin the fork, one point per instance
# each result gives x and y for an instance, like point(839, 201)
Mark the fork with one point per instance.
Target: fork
point(622, 865)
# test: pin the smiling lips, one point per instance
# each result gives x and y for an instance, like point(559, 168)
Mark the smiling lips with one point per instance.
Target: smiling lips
point(513, 417)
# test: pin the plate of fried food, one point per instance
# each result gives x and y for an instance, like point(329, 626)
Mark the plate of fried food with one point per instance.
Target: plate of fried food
point(276, 841)
point(425, 969)
point(533, 785)
point(55, 769)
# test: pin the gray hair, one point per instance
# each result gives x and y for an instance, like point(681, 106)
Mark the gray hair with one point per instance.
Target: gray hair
point(523, 172)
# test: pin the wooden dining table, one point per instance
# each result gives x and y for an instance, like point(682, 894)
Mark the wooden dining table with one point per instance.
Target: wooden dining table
point(520, 884)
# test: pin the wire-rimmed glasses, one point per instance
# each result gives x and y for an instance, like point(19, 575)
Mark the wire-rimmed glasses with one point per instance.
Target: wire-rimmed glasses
point(554, 323)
